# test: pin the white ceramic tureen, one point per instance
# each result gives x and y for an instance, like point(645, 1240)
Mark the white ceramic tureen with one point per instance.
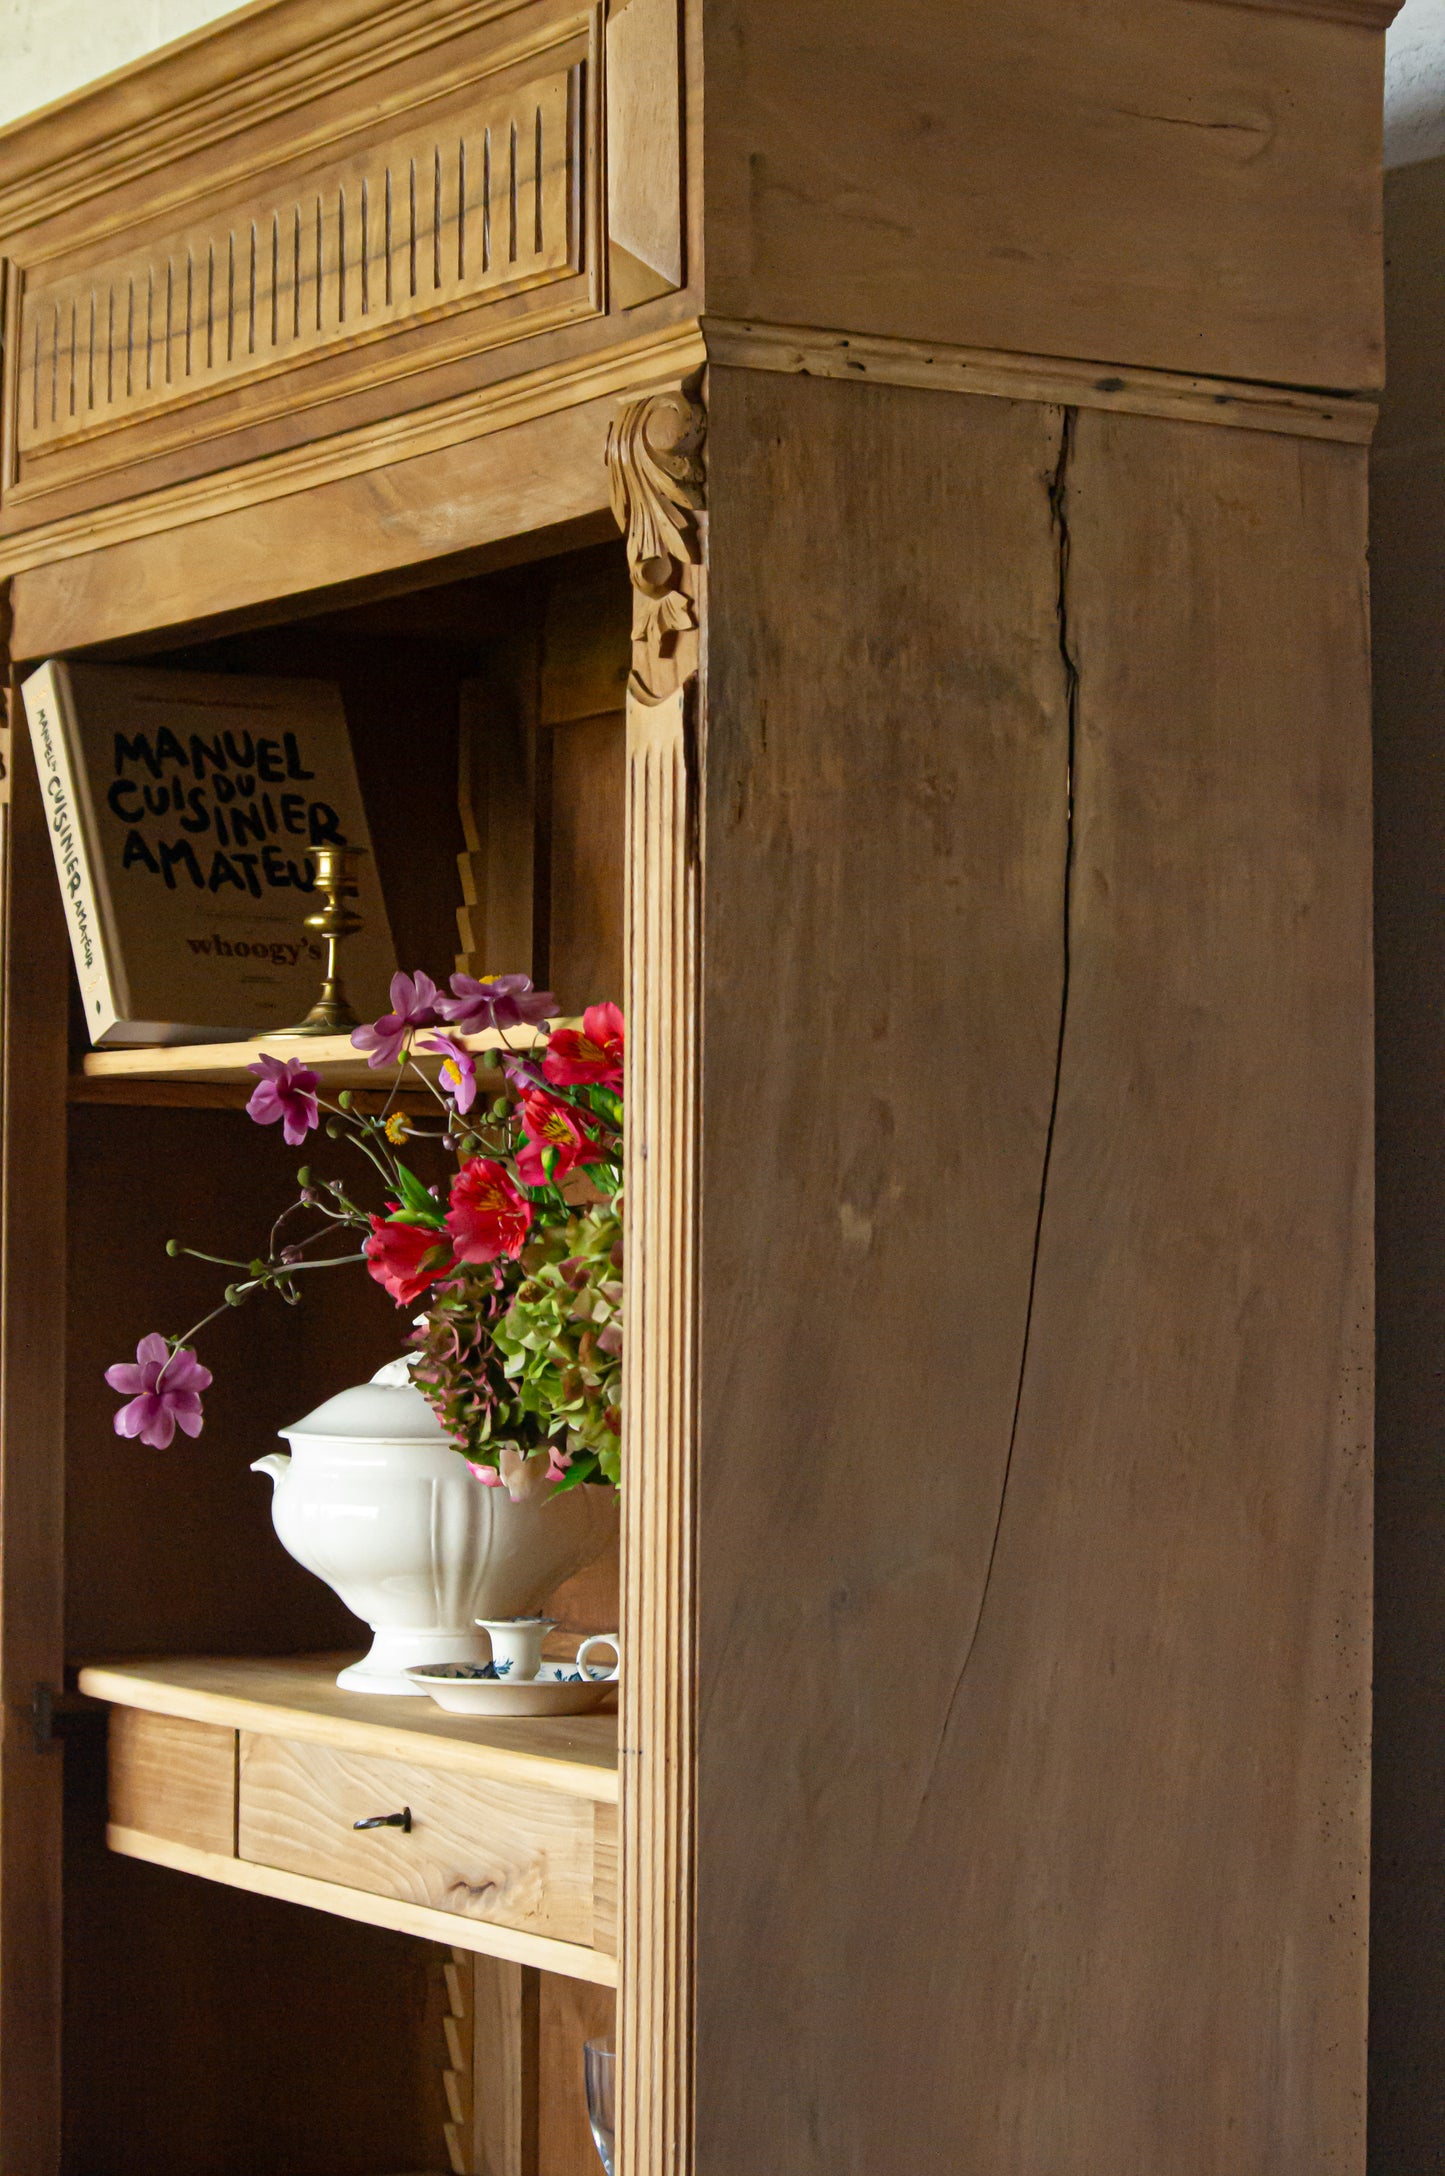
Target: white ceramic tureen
point(374, 1500)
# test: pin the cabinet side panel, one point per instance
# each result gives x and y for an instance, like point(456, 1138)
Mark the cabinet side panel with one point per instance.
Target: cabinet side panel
point(1032, 1736)
point(32, 1477)
point(1407, 568)
point(884, 878)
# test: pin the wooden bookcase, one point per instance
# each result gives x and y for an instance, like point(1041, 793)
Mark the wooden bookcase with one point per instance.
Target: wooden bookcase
point(846, 527)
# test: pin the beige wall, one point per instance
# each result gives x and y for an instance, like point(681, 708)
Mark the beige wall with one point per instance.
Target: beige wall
point(48, 47)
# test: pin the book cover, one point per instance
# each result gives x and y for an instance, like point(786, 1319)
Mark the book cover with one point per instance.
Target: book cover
point(182, 807)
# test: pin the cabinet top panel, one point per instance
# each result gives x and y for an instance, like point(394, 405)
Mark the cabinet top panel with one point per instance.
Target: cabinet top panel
point(298, 228)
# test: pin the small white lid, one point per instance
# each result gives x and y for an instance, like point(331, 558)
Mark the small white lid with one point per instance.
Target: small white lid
point(388, 1409)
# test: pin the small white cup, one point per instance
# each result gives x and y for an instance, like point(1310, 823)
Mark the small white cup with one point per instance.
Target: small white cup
point(517, 1645)
point(600, 1639)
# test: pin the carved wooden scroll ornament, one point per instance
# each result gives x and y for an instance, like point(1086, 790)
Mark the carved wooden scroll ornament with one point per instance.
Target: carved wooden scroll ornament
point(654, 458)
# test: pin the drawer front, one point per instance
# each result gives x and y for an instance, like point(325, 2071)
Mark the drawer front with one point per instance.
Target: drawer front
point(516, 1857)
point(173, 1778)
point(426, 188)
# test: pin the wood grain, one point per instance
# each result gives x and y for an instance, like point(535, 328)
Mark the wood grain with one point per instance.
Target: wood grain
point(644, 150)
point(222, 1064)
point(175, 1778)
point(505, 2075)
point(486, 1936)
point(939, 367)
point(1102, 1510)
point(886, 782)
point(572, 2012)
point(605, 1873)
point(1189, 187)
point(418, 217)
point(315, 271)
point(297, 1697)
point(586, 861)
point(424, 486)
point(496, 1851)
point(1163, 1728)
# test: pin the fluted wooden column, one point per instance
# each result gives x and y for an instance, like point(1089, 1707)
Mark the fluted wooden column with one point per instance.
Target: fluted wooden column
point(656, 491)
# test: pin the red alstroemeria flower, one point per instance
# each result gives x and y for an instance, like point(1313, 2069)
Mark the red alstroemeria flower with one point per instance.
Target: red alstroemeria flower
point(488, 1216)
point(406, 1258)
point(550, 1125)
point(591, 1058)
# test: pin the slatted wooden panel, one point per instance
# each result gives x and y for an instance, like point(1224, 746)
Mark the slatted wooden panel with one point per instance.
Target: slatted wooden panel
point(410, 226)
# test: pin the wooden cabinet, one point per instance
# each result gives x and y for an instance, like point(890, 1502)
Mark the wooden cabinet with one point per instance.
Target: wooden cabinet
point(847, 528)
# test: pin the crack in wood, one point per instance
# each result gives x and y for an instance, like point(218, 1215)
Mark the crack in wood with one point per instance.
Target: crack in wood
point(1058, 494)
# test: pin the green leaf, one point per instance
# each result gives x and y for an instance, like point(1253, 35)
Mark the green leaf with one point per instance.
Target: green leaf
point(419, 1204)
point(584, 1467)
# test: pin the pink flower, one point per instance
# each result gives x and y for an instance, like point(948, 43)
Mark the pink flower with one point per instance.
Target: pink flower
point(164, 1390)
point(459, 1075)
point(413, 1005)
point(553, 1127)
point(406, 1258)
point(592, 1058)
point(487, 1475)
point(286, 1090)
point(558, 1462)
point(503, 1001)
point(488, 1216)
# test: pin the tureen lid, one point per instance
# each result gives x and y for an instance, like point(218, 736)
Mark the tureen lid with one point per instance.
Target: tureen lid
point(388, 1409)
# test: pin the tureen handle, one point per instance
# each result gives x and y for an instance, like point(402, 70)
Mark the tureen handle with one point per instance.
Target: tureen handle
point(274, 1463)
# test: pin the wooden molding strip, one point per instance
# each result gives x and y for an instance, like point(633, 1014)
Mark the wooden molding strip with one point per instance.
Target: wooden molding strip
point(568, 1958)
point(1364, 14)
point(866, 359)
point(228, 76)
point(633, 366)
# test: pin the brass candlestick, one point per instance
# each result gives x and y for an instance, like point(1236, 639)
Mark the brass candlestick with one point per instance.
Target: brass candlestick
point(336, 876)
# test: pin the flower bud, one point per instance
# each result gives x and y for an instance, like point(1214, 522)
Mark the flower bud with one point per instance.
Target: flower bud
point(173, 1248)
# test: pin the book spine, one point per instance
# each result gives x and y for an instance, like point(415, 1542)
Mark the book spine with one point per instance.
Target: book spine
point(47, 714)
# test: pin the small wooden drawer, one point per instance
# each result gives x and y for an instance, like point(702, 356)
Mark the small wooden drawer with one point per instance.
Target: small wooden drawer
point(173, 1778)
point(520, 1858)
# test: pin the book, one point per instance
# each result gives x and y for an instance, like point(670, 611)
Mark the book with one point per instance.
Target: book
point(182, 806)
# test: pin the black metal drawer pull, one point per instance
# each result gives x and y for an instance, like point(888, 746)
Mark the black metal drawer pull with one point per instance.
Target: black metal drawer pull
point(400, 1820)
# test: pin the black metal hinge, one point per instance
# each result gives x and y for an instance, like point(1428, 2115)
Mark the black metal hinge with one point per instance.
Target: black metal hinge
point(56, 1716)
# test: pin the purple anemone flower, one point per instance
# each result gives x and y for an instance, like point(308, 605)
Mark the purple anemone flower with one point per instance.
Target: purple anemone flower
point(286, 1090)
point(503, 1001)
point(164, 1390)
point(459, 1074)
point(414, 1004)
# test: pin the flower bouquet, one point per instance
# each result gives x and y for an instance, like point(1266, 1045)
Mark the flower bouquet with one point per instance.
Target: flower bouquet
point(515, 1262)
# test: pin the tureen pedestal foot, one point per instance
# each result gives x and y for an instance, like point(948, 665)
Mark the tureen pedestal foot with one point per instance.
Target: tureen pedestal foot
point(394, 1651)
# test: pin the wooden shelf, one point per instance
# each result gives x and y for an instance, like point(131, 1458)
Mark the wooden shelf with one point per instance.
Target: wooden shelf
point(219, 1073)
point(298, 1697)
point(251, 1773)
